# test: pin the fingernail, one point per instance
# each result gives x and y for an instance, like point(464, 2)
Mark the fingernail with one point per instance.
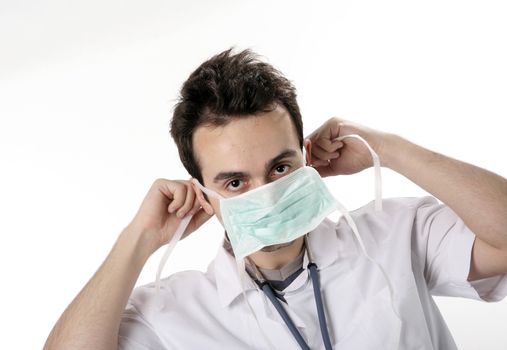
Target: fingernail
point(179, 214)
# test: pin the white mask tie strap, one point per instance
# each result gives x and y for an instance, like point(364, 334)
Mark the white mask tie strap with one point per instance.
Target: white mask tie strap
point(170, 246)
point(376, 165)
point(353, 226)
point(207, 191)
point(177, 236)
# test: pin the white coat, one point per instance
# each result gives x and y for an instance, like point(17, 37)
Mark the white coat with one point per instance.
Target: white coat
point(424, 247)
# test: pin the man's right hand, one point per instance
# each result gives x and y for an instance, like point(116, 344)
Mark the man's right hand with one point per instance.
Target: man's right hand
point(163, 207)
point(93, 318)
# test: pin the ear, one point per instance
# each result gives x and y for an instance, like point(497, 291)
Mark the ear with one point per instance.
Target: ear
point(202, 200)
point(307, 144)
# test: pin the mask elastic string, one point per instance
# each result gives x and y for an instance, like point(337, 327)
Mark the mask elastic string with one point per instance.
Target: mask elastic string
point(207, 191)
point(353, 226)
point(376, 165)
point(177, 236)
point(378, 207)
point(170, 246)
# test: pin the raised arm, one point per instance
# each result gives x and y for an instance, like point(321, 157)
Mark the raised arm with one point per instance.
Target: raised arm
point(476, 195)
point(92, 319)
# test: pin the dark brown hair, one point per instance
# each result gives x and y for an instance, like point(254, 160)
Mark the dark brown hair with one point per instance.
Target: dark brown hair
point(225, 87)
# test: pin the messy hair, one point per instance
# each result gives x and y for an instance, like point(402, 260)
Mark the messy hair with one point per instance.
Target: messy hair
point(225, 87)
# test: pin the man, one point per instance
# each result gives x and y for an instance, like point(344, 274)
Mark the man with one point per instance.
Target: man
point(238, 127)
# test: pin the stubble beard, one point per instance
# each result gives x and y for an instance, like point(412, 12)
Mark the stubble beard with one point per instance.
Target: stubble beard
point(274, 247)
point(267, 249)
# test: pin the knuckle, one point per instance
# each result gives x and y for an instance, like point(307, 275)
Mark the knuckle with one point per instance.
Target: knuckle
point(188, 185)
point(159, 181)
point(181, 192)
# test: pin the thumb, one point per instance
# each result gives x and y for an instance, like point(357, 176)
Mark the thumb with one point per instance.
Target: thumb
point(334, 127)
point(324, 170)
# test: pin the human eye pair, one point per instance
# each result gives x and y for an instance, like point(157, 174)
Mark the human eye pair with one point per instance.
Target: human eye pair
point(238, 184)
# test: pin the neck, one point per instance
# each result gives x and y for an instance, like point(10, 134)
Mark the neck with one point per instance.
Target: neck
point(278, 258)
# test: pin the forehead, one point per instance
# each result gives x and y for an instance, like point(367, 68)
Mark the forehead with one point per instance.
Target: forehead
point(244, 144)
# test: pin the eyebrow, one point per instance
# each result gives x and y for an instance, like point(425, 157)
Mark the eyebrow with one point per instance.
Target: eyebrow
point(234, 174)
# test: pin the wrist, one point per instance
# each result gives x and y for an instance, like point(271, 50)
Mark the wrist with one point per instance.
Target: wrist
point(138, 242)
point(391, 150)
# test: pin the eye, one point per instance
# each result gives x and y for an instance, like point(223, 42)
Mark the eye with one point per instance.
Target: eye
point(234, 185)
point(281, 169)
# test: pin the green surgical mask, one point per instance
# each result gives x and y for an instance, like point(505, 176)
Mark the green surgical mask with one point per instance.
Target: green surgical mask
point(275, 213)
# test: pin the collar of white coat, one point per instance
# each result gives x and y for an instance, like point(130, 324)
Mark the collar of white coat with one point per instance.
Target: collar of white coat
point(322, 241)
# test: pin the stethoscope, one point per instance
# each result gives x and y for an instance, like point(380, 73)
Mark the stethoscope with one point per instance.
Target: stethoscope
point(270, 293)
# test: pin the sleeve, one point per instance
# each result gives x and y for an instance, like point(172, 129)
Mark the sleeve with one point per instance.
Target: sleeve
point(136, 333)
point(446, 250)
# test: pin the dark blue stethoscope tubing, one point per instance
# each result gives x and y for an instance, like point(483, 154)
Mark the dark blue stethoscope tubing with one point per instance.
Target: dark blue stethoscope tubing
point(271, 296)
point(320, 306)
point(320, 311)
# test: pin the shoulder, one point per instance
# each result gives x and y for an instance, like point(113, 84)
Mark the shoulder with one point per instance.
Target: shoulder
point(399, 214)
point(178, 304)
point(176, 289)
point(398, 205)
point(395, 209)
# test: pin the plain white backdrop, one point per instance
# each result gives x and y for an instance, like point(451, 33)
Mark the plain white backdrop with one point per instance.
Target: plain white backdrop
point(86, 95)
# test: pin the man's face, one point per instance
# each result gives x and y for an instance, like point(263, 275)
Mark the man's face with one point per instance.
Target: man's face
point(247, 153)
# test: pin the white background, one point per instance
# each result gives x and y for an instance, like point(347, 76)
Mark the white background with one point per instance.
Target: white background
point(86, 95)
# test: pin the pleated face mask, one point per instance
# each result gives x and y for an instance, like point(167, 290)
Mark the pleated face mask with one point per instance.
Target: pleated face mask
point(275, 213)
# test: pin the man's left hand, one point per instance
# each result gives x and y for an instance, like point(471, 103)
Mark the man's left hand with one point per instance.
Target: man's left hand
point(348, 156)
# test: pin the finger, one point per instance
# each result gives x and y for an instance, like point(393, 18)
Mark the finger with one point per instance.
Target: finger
point(204, 203)
point(327, 170)
point(179, 196)
point(338, 144)
point(189, 202)
point(166, 187)
point(328, 145)
point(319, 163)
point(195, 207)
point(334, 127)
point(324, 170)
point(322, 154)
